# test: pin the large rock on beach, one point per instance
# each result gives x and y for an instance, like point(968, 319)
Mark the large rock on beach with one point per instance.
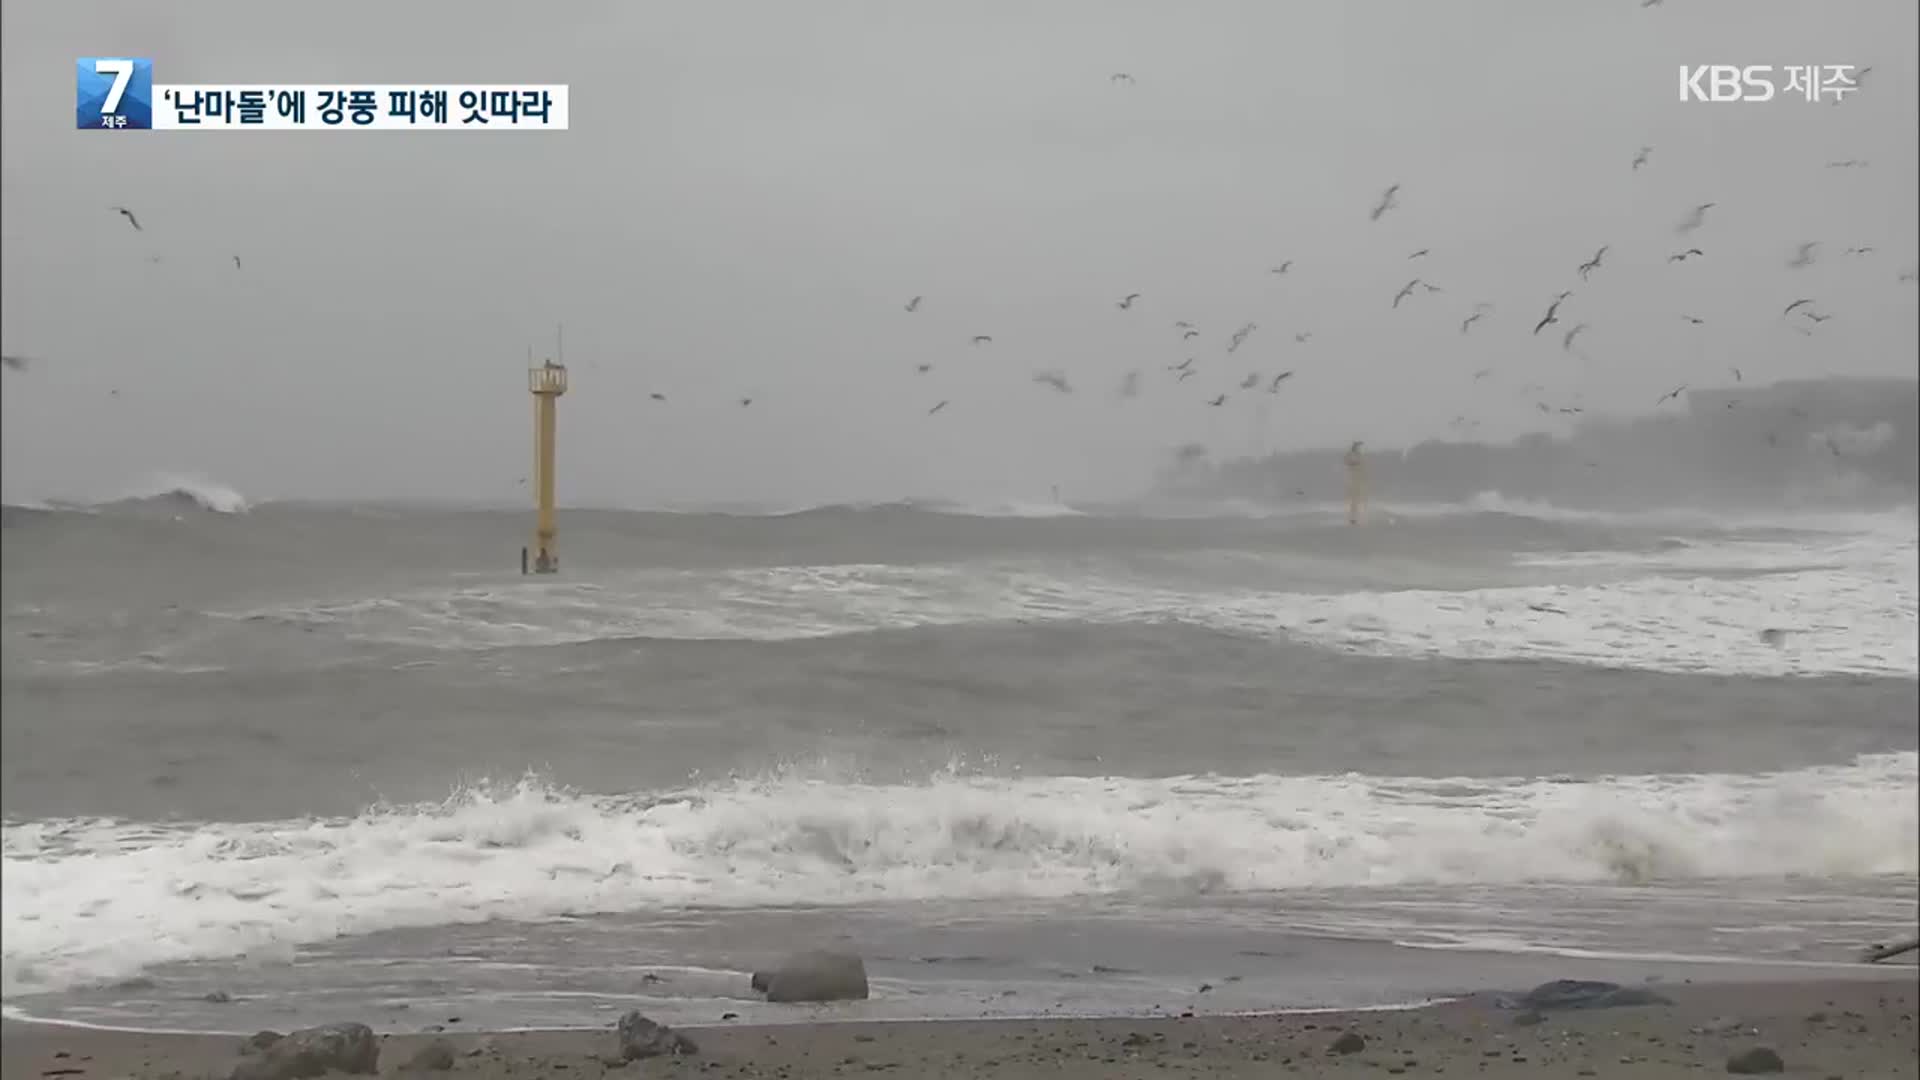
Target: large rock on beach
point(815, 976)
point(1563, 994)
point(643, 1038)
point(343, 1048)
point(1756, 1061)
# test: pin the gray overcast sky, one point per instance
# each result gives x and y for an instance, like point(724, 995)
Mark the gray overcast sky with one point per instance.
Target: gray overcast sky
point(750, 192)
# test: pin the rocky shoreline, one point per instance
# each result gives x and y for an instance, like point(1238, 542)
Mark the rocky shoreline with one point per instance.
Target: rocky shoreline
point(1843, 1029)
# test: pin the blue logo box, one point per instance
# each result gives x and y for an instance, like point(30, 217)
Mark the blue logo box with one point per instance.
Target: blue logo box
point(115, 93)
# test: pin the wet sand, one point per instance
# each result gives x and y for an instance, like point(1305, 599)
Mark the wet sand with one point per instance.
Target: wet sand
point(1851, 1029)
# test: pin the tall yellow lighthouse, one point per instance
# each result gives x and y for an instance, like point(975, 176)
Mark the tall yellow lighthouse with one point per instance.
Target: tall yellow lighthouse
point(548, 382)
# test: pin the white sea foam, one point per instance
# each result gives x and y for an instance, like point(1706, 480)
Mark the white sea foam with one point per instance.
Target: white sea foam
point(1892, 522)
point(1004, 508)
point(999, 508)
point(91, 900)
point(207, 494)
point(1847, 600)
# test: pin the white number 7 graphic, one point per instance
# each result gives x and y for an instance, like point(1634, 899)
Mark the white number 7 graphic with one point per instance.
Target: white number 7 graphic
point(122, 72)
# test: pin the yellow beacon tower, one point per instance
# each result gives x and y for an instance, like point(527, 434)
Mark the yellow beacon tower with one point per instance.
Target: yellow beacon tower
point(548, 382)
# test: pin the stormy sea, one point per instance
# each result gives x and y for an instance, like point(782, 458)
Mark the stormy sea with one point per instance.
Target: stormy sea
point(277, 763)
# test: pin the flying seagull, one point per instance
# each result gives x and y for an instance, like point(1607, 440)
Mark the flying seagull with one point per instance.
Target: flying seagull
point(131, 220)
point(922, 369)
point(236, 262)
point(1127, 301)
point(1182, 365)
point(1274, 387)
point(1055, 380)
point(1788, 310)
point(14, 363)
point(1695, 219)
point(1683, 256)
point(1857, 250)
point(1250, 381)
point(1121, 77)
point(1386, 203)
point(1405, 291)
point(1816, 316)
point(1219, 401)
point(1282, 268)
point(1641, 158)
point(1859, 80)
point(1736, 374)
point(982, 339)
point(1567, 342)
point(745, 401)
point(1421, 252)
point(914, 304)
point(1694, 319)
point(1552, 315)
point(658, 397)
point(936, 408)
point(1803, 257)
point(1470, 320)
point(1303, 337)
point(1183, 325)
point(1189, 334)
point(1850, 163)
point(1184, 376)
point(1593, 264)
point(1671, 395)
point(1481, 374)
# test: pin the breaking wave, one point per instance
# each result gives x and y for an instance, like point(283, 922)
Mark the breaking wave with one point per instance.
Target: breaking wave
point(91, 900)
point(166, 492)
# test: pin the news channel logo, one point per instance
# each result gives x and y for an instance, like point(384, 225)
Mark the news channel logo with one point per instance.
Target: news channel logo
point(115, 93)
point(1759, 82)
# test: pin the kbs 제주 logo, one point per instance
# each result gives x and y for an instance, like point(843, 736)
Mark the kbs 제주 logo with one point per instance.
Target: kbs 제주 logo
point(1758, 82)
point(115, 93)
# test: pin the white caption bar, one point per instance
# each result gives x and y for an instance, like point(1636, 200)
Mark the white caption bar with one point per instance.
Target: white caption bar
point(361, 107)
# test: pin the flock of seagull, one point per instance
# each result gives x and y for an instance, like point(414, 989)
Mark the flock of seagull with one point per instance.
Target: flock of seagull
point(1802, 315)
point(1808, 315)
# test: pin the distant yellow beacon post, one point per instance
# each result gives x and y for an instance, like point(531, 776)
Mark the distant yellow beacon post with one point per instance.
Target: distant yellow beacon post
point(1356, 483)
point(548, 382)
